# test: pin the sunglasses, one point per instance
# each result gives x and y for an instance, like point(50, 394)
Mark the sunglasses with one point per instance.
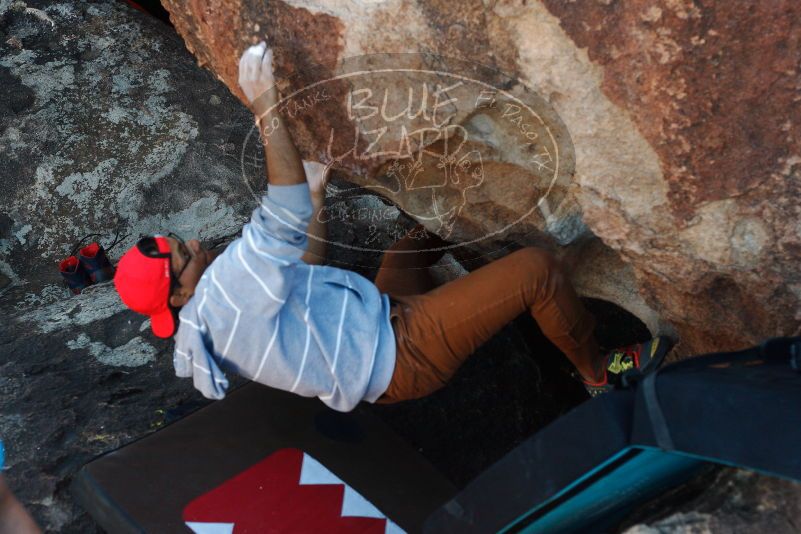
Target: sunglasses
point(148, 246)
point(186, 259)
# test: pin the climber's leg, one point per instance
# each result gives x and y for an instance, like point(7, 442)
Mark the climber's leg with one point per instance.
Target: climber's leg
point(438, 330)
point(404, 266)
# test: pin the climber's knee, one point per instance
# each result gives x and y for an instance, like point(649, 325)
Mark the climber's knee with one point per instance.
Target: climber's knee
point(537, 260)
point(537, 269)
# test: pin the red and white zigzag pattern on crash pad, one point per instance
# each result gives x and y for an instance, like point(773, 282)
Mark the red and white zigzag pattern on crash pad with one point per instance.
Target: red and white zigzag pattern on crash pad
point(287, 492)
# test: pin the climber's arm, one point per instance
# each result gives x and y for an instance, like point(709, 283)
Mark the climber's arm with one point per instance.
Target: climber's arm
point(317, 176)
point(284, 166)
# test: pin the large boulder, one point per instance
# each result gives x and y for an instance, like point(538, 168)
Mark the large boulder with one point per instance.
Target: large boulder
point(714, 89)
point(677, 125)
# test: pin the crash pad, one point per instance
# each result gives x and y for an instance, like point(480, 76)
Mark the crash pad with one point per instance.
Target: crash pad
point(590, 468)
point(264, 460)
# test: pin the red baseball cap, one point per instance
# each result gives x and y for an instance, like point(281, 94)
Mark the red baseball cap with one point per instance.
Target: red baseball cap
point(143, 281)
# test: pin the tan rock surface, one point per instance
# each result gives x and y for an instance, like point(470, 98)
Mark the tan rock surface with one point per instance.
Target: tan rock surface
point(682, 122)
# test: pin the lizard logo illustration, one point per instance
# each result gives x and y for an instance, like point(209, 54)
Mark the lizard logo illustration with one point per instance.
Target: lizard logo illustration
point(440, 176)
point(444, 141)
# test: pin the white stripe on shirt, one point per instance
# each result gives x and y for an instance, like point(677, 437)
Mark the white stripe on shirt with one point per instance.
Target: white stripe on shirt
point(282, 221)
point(261, 252)
point(375, 349)
point(238, 313)
point(203, 300)
point(190, 323)
point(218, 380)
point(339, 339)
point(290, 214)
point(269, 347)
point(308, 330)
point(261, 283)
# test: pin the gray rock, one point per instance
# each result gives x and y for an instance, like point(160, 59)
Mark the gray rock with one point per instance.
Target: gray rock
point(723, 501)
point(105, 124)
point(73, 390)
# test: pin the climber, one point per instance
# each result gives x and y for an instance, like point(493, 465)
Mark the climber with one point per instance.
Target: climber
point(266, 308)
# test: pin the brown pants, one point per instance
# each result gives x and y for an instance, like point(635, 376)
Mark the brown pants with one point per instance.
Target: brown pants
point(436, 329)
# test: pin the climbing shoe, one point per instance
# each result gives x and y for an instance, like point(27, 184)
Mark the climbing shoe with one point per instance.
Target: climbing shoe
point(644, 357)
point(75, 276)
point(87, 265)
point(96, 263)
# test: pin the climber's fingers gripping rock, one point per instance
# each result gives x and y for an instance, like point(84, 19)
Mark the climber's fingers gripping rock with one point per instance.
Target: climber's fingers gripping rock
point(256, 71)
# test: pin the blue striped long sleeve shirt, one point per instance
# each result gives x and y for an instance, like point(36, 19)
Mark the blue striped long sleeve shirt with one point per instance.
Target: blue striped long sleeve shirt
point(261, 312)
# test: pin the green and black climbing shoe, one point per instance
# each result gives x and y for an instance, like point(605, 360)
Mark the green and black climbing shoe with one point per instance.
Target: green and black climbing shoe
point(643, 356)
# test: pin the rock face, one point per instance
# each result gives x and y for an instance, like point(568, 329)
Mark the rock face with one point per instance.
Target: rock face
point(676, 124)
point(100, 129)
point(725, 500)
point(105, 122)
point(714, 88)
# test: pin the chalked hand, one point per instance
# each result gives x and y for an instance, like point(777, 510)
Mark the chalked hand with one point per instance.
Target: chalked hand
point(256, 71)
